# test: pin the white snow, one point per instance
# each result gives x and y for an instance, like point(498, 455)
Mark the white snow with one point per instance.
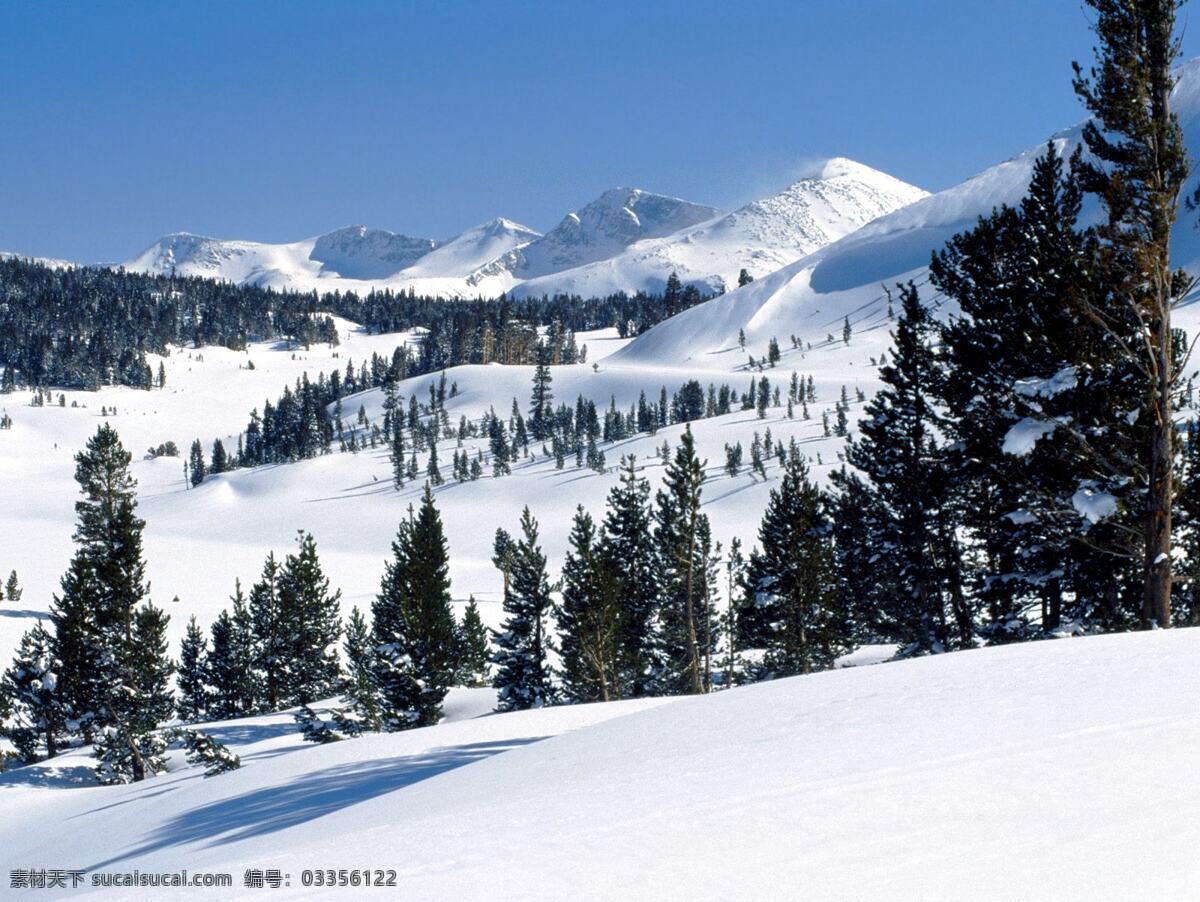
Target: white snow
point(1051, 770)
point(1023, 435)
point(1093, 505)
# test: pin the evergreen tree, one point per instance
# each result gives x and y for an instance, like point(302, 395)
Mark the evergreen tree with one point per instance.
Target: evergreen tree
point(414, 628)
point(205, 751)
point(310, 626)
point(1023, 359)
point(588, 618)
point(918, 590)
point(681, 536)
point(114, 673)
point(1139, 165)
point(192, 679)
point(12, 589)
point(129, 748)
point(229, 666)
point(29, 693)
point(522, 673)
point(196, 465)
point(270, 640)
point(474, 654)
point(399, 470)
point(220, 459)
point(629, 560)
point(541, 405)
point(792, 583)
point(359, 687)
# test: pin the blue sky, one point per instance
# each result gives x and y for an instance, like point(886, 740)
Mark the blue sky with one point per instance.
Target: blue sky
point(277, 121)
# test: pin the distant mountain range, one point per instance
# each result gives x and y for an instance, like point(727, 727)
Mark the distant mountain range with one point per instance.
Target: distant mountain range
point(627, 240)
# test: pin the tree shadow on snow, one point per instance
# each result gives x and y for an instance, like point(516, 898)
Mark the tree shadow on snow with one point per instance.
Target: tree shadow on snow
point(23, 612)
point(310, 796)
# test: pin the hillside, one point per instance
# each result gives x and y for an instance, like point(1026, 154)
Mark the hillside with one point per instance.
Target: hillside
point(1051, 770)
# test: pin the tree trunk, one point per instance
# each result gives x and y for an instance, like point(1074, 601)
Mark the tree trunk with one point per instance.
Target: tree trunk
point(1156, 600)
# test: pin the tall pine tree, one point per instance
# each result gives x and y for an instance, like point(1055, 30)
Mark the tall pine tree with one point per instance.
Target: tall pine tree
point(522, 672)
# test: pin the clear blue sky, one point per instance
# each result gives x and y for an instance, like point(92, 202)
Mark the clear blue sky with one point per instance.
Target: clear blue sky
point(277, 121)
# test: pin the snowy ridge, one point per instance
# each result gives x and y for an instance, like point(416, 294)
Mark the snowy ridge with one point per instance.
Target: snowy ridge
point(627, 240)
point(605, 227)
point(41, 261)
point(759, 237)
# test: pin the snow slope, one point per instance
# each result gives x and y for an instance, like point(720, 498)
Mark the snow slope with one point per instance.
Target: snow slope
point(199, 541)
point(760, 237)
point(845, 278)
point(1056, 770)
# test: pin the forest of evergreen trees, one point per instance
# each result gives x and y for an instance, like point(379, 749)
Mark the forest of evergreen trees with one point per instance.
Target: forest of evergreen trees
point(83, 327)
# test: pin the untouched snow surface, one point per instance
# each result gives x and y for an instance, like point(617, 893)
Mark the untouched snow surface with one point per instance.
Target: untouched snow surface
point(1054, 770)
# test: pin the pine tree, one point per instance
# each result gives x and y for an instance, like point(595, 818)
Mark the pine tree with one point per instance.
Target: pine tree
point(203, 750)
point(114, 672)
point(310, 626)
point(229, 665)
point(220, 459)
point(270, 640)
point(1140, 165)
point(12, 589)
point(29, 692)
point(681, 532)
point(191, 679)
point(1021, 357)
point(129, 748)
point(414, 628)
point(473, 655)
point(919, 582)
point(629, 560)
point(399, 470)
point(744, 278)
point(791, 582)
point(196, 465)
point(432, 471)
point(588, 618)
point(359, 688)
point(541, 404)
point(522, 673)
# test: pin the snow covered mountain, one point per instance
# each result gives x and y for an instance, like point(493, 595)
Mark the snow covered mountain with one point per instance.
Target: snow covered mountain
point(627, 239)
point(43, 261)
point(605, 227)
point(350, 258)
point(812, 296)
point(760, 237)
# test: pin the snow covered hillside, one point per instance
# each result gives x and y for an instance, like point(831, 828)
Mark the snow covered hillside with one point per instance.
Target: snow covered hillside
point(1051, 770)
point(845, 278)
point(760, 237)
point(625, 240)
point(198, 541)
